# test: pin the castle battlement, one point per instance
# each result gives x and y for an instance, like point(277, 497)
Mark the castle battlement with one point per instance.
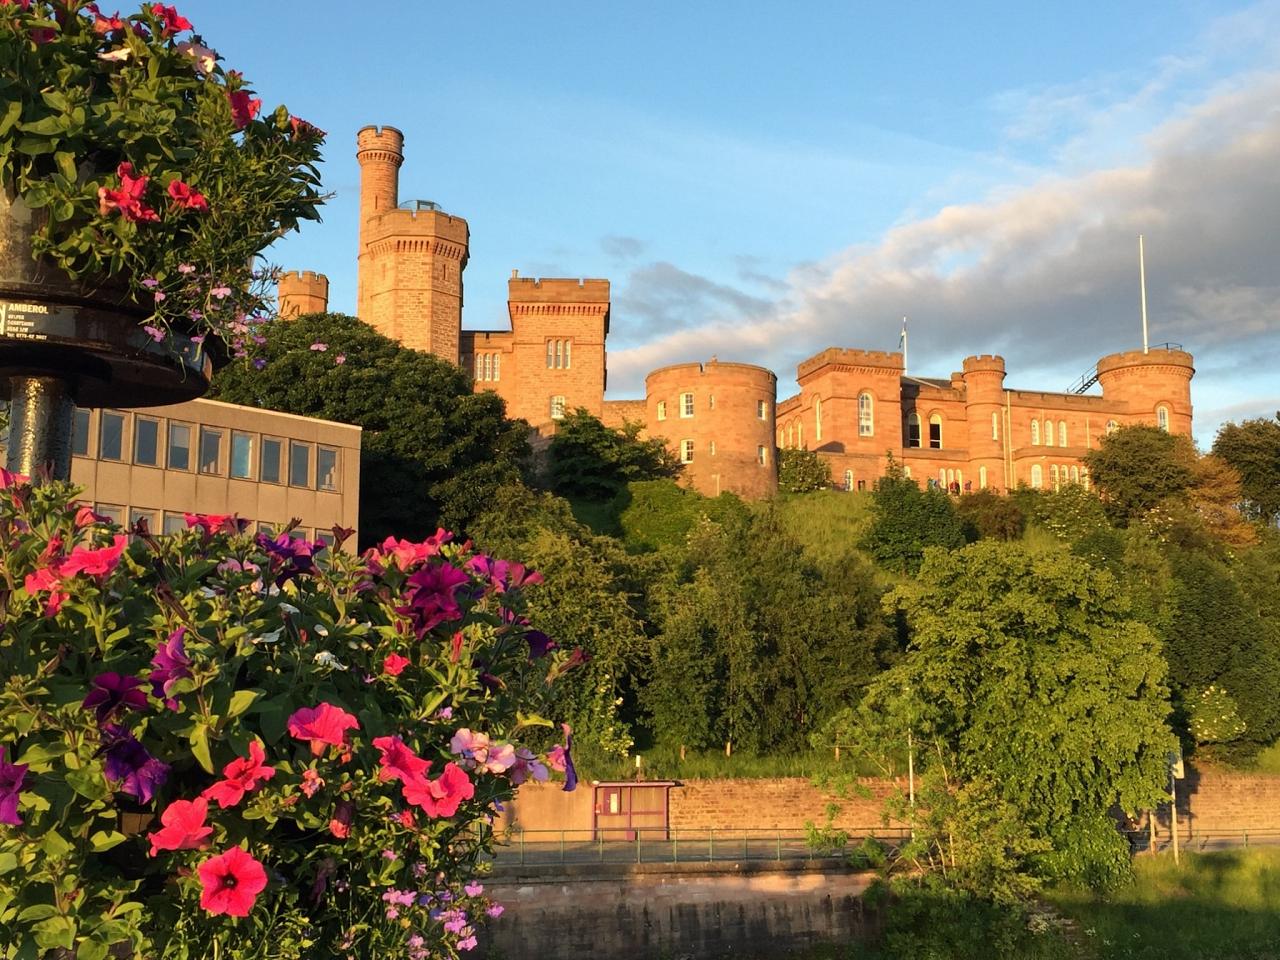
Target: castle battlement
point(843, 357)
point(983, 363)
point(304, 276)
point(557, 290)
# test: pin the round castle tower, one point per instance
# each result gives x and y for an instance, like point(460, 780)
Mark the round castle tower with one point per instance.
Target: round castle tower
point(300, 293)
point(411, 259)
point(983, 379)
point(1155, 386)
point(711, 417)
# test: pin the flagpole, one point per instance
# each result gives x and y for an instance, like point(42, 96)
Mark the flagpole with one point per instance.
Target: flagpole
point(904, 345)
point(1142, 282)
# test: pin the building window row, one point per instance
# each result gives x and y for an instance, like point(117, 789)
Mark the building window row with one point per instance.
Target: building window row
point(1052, 434)
point(935, 430)
point(559, 354)
point(166, 523)
point(212, 451)
point(488, 366)
point(1060, 475)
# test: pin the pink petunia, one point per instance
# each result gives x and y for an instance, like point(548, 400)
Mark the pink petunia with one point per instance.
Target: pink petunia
point(184, 827)
point(324, 726)
point(241, 776)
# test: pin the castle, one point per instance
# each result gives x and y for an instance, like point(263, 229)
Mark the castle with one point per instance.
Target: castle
point(723, 420)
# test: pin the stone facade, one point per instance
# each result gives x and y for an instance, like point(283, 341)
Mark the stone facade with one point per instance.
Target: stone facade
point(968, 432)
point(971, 432)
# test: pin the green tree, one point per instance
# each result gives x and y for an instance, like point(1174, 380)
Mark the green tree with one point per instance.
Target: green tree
point(432, 451)
point(660, 514)
point(1025, 683)
point(590, 461)
point(990, 516)
point(1138, 467)
point(802, 471)
point(1253, 448)
point(906, 520)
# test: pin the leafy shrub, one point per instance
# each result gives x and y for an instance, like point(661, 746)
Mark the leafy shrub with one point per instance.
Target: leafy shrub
point(215, 744)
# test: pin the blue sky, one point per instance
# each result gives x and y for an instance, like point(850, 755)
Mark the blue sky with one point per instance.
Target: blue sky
point(761, 181)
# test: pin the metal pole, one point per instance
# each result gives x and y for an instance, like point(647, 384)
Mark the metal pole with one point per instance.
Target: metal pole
point(1173, 813)
point(1142, 280)
point(911, 770)
point(42, 413)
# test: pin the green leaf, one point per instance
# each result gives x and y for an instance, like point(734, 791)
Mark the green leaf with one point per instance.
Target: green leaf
point(200, 747)
point(37, 912)
point(54, 845)
point(7, 862)
point(89, 783)
point(56, 932)
point(241, 700)
point(11, 114)
point(91, 950)
point(106, 839)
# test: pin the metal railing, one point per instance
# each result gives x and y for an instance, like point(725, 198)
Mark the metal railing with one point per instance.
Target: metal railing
point(558, 847)
point(1209, 839)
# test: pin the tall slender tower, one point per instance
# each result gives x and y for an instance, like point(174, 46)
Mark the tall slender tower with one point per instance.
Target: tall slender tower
point(411, 258)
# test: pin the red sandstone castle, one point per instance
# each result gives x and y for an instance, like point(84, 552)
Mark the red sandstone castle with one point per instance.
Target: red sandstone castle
point(723, 419)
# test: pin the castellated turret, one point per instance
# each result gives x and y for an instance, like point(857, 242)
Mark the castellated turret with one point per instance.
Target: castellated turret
point(1153, 387)
point(301, 292)
point(411, 256)
point(719, 419)
point(983, 381)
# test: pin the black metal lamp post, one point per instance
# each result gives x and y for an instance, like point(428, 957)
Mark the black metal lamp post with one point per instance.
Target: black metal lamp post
point(67, 343)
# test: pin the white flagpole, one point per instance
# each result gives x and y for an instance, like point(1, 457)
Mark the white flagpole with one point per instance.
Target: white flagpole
point(1142, 282)
point(903, 344)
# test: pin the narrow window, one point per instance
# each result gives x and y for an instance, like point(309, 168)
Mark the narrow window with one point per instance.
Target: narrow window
point(146, 441)
point(1062, 433)
point(848, 480)
point(866, 415)
point(982, 478)
point(559, 354)
point(1037, 476)
point(326, 468)
point(761, 410)
point(800, 434)
point(995, 426)
point(817, 419)
point(791, 436)
point(479, 366)
point(1075, 474)
point(557, 408)
point(913, 430)
point(111, 436)
point(1053, 476)
point(935, 431)
point(568, 354)
point(662, 409)
point(271, 451)
point(711, 401)
point(713, 448)
point(686, 405)
point(1048, 433)
point(762, 456)
point(299, 464)
point(1112, 426)
point(241, 455)
point(497, 366)
point(1162, 418)
point(179, 447)
point(906, 471)
point(551, 354)
point(686, 451)
point(1035, 433)
point(210, 451)
point(80, 433)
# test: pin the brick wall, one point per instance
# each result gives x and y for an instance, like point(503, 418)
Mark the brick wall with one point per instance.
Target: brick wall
point(779, 804)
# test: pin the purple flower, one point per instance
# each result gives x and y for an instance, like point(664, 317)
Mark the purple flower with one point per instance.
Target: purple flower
point(455, 921)
point(151, 283)
point(11, 777)
point(474, 888)
point(111, 692)
point(430, 593)
point(220, 292)
point(171, 665)
point(186, 268)
point(495, 910)
point(340, 358)
point(295, 555)
point(259, 363)
point(129, 764)
point(539, 644)
point(467, 943)
point(155, 333)
point(319, 347)
point(560, 759)
point(198, 338)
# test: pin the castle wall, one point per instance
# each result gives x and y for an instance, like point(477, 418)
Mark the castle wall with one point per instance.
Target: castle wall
point(618, 413)
point(301, 293)
point(725, 433)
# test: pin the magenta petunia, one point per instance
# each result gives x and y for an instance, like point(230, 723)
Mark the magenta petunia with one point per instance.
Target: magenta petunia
point(129, 765)
point(11, 777)
point(113, 691)
point(323, 726)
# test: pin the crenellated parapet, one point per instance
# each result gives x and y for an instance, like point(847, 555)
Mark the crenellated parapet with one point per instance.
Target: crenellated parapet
point(855, 361)
point(300, 292)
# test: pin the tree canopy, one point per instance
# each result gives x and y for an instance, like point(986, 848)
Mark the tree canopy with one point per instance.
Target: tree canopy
point(1138, 467)
point(1253, 449)
point(590, 461)
point(802, 471)
point(906, 520)
point(432, 451)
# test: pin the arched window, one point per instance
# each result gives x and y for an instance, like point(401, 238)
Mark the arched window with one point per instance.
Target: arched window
point(1062, 433)
point(551, 354)
point(1162, 418)
point(1084, 475)
point(1075, 474)
point(1035, 433)
point(817, 419)
point(995, 426)
point(866, 415)
point(982, 478)
point(479, 366)
point(848, 479)
point(791, 436)
point(559, 354)
point(1037, 476)
point(1048, 433)
point(488, 366)
point(568, 356)
point(1111, 426)
point(951, 478)
point(935, 431)
point(913, 430)
point(800, 434)
point(942, 478)
point(1053, 476)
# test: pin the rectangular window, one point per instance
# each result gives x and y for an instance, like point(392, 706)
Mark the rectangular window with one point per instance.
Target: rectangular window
point(497, 366)
point(557, 408)
point(762, 410)
point(111, 511)
point(686, 451)
point(299, 464)
point(111, 436)
point(762, 456)
point(266, 529)
point(241, 455)
point(269, 470)
point(935, 433)
point(551, 354)
point(146, 441)
point(326, 537)
point(210, 451)
point(326, 468)
point(174, 523)
point(80, 433)
point(662, 409)
point(568, 354)
point(299, 533)
point(141, 515)
point(686, 405)
point(179, 448)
